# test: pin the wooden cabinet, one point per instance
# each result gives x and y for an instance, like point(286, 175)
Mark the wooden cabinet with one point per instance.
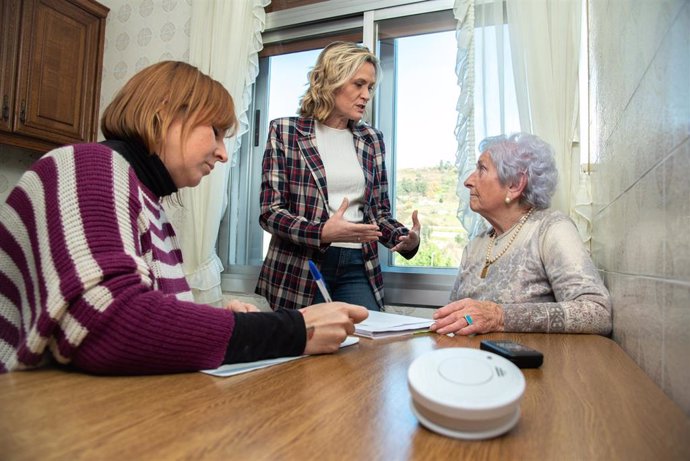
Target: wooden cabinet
point(51, 53)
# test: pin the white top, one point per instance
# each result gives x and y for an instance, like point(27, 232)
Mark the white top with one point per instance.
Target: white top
point(344, 174)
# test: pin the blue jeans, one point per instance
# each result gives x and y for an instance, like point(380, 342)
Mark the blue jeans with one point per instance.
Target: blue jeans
point(343, 272)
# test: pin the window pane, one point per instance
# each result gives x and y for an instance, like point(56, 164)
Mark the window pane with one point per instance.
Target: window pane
point(426, 177)
point(421, 139)
point(288, 82)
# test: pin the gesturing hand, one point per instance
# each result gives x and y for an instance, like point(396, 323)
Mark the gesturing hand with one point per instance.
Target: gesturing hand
point(338, 229)
point(410, 241)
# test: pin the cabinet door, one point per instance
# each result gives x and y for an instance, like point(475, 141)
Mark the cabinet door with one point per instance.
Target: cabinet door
point(59, 69)
point(10, 14)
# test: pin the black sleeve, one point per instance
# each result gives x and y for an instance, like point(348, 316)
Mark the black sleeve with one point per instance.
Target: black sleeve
point(266, 335)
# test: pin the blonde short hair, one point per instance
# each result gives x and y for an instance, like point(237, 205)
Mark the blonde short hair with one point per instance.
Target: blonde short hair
point(336, 64)
point(151, 100)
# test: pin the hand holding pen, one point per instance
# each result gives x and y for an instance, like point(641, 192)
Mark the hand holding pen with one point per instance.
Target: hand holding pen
point(328, 324)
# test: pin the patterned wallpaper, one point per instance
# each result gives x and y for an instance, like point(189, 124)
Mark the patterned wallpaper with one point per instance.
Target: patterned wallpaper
point(13, 162)
point(138, 33)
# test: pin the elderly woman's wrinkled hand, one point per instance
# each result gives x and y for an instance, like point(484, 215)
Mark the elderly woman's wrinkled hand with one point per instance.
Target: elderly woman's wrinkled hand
point(484, 317)
point(410, 241)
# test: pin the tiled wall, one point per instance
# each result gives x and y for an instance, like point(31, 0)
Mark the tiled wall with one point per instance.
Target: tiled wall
point(640, 131)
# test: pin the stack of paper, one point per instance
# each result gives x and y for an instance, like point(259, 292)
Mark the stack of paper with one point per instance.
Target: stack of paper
point(238, 368)
point(385, 325)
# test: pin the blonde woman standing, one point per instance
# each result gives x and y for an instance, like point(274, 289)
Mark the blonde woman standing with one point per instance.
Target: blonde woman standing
point(324, 193)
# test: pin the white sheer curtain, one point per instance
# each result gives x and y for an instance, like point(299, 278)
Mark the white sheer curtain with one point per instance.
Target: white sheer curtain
point(465, 157)
point(545, 38)
point(487, 105)
point(530, 64)
point(225, 38)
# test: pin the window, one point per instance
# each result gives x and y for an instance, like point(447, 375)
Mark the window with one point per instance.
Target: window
point(414, 107)
point(417, 114)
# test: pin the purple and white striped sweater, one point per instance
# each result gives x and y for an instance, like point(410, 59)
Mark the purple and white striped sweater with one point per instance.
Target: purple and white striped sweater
point(90, 272)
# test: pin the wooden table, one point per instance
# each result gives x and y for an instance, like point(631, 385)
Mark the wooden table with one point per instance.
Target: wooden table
point(588, 401)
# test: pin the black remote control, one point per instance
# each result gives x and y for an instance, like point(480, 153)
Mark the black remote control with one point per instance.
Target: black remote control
point(520, 355)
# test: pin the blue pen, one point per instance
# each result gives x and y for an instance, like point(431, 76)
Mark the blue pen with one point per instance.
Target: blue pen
point(319, 281)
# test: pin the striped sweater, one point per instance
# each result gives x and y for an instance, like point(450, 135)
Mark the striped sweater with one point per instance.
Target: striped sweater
point(90, 273)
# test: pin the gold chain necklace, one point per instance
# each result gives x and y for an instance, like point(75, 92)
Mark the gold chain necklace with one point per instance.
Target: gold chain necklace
point(489, 249)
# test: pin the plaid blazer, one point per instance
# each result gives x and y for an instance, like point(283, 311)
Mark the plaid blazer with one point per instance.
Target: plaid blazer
point(294, 209)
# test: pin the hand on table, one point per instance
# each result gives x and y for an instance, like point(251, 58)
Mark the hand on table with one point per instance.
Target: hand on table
point(486, 316)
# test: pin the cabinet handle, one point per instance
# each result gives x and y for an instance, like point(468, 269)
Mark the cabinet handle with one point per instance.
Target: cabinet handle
point(22, 113)
point(5, 108)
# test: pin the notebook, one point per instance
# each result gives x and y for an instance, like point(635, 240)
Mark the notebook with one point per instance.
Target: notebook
point(385, 325)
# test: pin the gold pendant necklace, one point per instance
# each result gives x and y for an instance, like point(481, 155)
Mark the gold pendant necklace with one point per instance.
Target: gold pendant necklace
point(489, 249)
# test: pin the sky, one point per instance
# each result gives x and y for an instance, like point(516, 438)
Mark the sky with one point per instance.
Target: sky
point(288, 82)
point(427, 96)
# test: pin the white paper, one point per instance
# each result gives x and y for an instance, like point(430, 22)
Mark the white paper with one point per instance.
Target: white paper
point(384, 324)
point(238, 368)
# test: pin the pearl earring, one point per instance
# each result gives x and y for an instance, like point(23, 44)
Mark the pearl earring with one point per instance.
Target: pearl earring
point(507, 200)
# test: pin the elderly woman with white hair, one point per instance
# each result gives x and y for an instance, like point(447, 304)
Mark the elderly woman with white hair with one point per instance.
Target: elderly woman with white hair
point(530, 272)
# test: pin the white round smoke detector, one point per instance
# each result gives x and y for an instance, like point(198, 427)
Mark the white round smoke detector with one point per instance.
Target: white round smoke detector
point(465, 393)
